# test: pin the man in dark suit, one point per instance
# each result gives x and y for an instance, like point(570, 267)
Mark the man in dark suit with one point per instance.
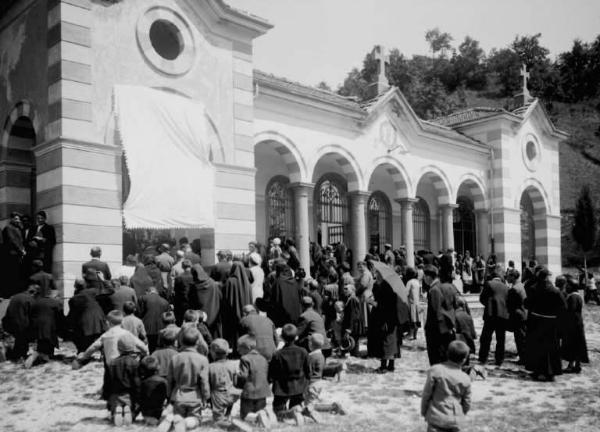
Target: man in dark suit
point(220, 271)
point(16, 322)
point(181, 291)
point(123, 293)
point(41, 240)
point(96, 265)
point(441, 318)
point(495, 315)
point(152, 306)
point(14, 251)
point(41, 278)
point(310, 322)
point(262, 329)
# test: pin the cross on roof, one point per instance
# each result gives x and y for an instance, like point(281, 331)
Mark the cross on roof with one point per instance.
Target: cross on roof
point(525, 75)
point(382, 59)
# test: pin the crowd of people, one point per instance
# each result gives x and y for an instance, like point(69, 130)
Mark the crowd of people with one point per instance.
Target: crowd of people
point(165, 326)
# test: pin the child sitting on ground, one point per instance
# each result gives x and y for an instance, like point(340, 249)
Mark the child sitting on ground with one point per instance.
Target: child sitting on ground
point(187, 383)
point(132, 323)
point(124, 382)
point(312, 395)
point(190, 320)
point(221, 376)
point(252, 377)
point(446, 397)
point(153, 391)
point(289, 372)
point(165, 352)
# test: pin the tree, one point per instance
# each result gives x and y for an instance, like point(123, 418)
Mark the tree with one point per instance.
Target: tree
point(529, 50)
point(438, 41)
point(585, 224)
point(505, 64)
point(323, 86)
point(469, 64)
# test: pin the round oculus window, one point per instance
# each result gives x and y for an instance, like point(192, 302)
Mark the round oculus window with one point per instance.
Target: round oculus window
point(166, 39)
point(531, 152)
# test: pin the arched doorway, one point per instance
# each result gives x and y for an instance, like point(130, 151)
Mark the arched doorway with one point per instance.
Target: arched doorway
point(279, 208)
point(331, 210)
point(19, 164)
point(465, 236)
point(379, 219)
point(421, 225)
point(528, 243)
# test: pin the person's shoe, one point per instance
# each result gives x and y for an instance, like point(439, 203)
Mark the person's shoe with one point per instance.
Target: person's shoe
point(118, 417)
point(263, 419)
point(127, 418)
point(312, 414)
point(338, 409)
point(298, 417)
point(577, 369)
point(381, 370)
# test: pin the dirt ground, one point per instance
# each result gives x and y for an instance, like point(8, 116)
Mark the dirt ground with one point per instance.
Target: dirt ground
point(54, 398)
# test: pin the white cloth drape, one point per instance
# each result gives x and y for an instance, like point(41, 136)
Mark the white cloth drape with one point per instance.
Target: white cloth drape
point(166, 146)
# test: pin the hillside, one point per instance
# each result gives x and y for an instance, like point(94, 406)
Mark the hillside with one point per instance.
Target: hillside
point(579, 159)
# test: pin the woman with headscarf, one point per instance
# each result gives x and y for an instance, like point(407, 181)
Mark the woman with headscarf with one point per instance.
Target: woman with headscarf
point(382, 339)
point(86, 318)
point(140, 281)
point(205, 295)
point(545, 305)
point(285, 297)
point(258, 276)
point(237, 293)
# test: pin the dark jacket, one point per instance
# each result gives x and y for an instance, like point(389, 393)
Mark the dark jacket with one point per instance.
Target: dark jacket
point(253, 376)
point(181, 291)
point(97, 266)
point(124, 377)
point(515, 303)
point(441, 304)
point(12, 240)
point(44, 280)
point(44, 243)
point(310, 322)
point(153, 393)
point(220, 271)
point(86, 317)
point(152, 306)
point(263, 330)
point(121, 295)
point(46, 319)
point(16, 319)
point(493, 298)
point(289, 371)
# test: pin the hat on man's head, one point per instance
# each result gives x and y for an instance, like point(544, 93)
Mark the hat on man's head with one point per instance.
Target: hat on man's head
point(220, 347)
point(165, 247)
point(387, 246)
point(430, 270)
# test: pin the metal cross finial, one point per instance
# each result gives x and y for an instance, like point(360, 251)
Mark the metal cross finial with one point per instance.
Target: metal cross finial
point(382, 60)
point(525, 75)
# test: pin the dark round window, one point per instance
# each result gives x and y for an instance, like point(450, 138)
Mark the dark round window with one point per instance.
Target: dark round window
point(531, 150)
point(166, 39)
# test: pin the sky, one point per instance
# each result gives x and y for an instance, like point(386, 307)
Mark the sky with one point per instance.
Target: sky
point(322, 40)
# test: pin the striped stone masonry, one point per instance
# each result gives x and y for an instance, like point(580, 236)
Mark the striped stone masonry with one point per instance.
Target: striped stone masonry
point(78, 179)
point(243, 105)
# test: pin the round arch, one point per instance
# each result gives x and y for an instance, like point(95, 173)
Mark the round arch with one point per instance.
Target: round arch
point(22, 108)
point(288, 151)
point(470, 185)
point(440, 182)
point(348, 164)
point(537, 193)
point(397, 172)
point(379, 220)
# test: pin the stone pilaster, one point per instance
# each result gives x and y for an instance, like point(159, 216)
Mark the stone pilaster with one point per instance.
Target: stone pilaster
point(448, 226)
point(358, 226)
point(483, 236)
point(407, 205)
point(301, 193)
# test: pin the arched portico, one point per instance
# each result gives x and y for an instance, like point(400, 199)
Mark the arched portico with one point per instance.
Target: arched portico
point(535, 236)
point(434, 188)
point(471, 219)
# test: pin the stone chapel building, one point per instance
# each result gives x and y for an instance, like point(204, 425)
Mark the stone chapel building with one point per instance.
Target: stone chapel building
point(289, 160)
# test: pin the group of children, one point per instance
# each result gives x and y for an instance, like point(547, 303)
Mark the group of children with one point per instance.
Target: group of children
point(172, 386)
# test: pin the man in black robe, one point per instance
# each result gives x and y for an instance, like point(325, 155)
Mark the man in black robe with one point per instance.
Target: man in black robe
point(181, 291)
point(205, 295)
point(14, 251)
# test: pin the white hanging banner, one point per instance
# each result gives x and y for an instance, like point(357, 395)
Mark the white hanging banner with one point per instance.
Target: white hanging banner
point(165, 140)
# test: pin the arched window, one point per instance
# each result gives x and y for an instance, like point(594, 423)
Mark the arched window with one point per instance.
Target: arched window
point(379, 218)
point(527, 228)
point(464, 226)
point(421, 221)
point(331, 204)
point(280, 208)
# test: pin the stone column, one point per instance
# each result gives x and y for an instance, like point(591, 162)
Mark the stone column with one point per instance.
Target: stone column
point(483, 236)
point(448, 226)
point(358, 226)
point(406, 205)
point(301, 193)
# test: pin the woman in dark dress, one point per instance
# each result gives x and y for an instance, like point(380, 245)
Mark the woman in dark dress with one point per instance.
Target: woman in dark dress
point(86, 318)
point(574, 346)
point(545, 305)
point(237, 293)
point(383, 342)
point(285, 297)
